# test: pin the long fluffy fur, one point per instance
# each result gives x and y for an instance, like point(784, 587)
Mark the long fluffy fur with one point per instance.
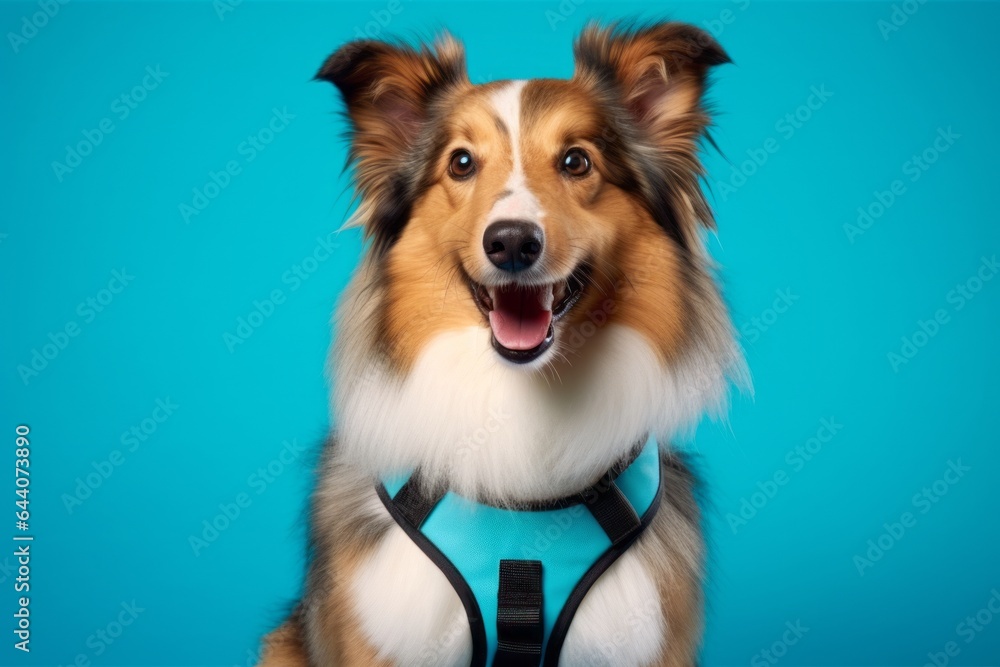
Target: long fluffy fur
point(648, 349)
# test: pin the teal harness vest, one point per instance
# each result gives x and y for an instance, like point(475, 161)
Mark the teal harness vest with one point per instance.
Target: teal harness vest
point(522, 573)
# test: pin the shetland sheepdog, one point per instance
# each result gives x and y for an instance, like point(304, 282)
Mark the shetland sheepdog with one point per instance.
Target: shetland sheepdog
point(535, 298)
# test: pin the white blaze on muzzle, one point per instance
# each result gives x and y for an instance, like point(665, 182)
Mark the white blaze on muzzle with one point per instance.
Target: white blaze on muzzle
point(516, 202)
point(521, 315)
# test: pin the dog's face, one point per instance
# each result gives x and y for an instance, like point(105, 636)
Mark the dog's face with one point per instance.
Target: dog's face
point(536, 296)
point(537, 210)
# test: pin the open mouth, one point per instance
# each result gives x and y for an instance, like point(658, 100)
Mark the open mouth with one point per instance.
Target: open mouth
point(522, 316)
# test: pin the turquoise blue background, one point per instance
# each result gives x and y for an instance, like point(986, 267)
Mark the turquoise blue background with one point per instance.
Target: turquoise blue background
point(162, 337)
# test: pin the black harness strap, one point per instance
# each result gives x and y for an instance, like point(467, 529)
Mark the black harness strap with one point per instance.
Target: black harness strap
point(520, 630)
point(414, 503)
point(420, 509)
point(613, 511)
point(554, 648)
point(587, 494)
point(520, 609)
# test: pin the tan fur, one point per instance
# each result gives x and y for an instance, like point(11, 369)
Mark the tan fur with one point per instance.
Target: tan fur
point(338, 637)
point(285, 647)
point(335, 631)
point(589, 220)
point(425, 289)
point(347, 527)
point(673, 552)
point(386, 90)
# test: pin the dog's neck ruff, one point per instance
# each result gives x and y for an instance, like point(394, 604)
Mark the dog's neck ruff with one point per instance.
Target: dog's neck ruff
point(522, 573)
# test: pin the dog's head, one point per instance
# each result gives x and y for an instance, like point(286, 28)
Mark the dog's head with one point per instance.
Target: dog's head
point(524, 206)
point(535, 249)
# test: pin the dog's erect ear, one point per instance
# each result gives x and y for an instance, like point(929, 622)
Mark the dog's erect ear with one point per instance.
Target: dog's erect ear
point(390, 91)
point(387, 87)
point(655, 75)
point(659, 70)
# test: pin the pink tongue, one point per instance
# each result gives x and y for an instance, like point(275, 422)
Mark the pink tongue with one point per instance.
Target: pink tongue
point(518, 319)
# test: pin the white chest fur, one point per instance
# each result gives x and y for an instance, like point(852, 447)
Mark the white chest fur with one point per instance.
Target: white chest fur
point(492, 431)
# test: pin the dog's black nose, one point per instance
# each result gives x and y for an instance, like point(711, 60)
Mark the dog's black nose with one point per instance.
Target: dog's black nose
point(513, 245)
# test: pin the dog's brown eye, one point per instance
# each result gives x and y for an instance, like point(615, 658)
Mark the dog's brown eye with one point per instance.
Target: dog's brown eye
point(462, 165)
point(576, 162)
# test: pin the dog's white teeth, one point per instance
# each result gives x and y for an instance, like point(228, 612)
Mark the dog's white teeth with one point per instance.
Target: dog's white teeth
point(547, 298)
